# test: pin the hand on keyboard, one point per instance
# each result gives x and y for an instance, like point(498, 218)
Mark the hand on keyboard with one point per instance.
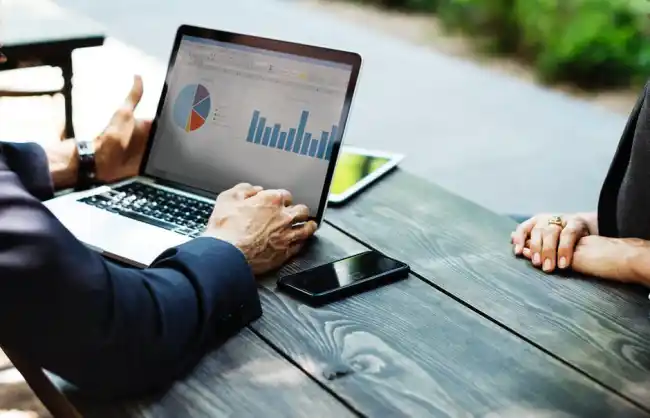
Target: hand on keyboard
point(262, 224)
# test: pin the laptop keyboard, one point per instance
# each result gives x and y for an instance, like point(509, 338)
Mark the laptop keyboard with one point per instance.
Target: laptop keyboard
point(184, 215)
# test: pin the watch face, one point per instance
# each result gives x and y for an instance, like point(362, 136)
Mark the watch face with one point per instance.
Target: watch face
point(86, 147)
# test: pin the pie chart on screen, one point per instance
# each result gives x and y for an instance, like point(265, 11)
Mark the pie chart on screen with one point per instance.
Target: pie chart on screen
point(192, 107)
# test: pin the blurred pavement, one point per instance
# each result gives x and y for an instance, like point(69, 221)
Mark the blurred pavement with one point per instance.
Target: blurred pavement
point(501, 142)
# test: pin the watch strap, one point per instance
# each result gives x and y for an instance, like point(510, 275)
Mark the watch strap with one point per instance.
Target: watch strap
point(86, 174)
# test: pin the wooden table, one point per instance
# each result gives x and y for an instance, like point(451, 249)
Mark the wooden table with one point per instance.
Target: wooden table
point(472, 332)
point(36, 33)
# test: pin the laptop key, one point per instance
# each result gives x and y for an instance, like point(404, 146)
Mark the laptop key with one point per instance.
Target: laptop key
point(184, 231)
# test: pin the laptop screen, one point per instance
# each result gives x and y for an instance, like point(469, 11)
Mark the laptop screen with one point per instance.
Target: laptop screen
point(235, 114)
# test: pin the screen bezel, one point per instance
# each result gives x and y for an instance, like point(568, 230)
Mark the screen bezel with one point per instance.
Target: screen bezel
point(393, 160)
point(308, 51)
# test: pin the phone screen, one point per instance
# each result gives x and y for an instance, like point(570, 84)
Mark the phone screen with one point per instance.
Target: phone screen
point(351, 168)
point(342, 273)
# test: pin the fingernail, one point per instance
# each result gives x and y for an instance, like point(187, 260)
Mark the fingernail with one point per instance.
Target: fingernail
point(547, 264)
point(562, 263)
point(517, 249)
point(536, 258)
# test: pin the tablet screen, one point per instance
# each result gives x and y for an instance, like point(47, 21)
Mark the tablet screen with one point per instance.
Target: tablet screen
point(352, 168)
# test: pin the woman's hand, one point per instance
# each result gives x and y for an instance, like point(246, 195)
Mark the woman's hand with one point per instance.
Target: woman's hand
point(619, 259)
point(551, 244)
point(625, 260)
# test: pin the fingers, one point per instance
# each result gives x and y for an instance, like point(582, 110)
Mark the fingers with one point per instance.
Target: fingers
point(277, 197)
point(135, 95)
point(298, 213)
point(246, 191)
point(536, 245)
point(568, 240)
point(520, 235)
point(295, 248)
point(299, 236)
point(550, 238)
point(122, 123)
point(302, 232)
point(242, 191)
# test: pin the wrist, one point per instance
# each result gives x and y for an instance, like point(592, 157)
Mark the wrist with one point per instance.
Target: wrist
point(63, 162)
point(637, 261)
point(87, 165)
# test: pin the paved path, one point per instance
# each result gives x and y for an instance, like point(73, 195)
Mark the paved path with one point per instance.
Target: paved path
point(505, 144)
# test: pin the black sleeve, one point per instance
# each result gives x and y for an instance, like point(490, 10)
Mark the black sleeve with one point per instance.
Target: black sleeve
point(105, 328)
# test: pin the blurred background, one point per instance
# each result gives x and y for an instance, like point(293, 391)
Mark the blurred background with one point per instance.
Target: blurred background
point(517, 105)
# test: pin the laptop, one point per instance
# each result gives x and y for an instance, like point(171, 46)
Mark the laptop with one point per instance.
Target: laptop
point(234, 108)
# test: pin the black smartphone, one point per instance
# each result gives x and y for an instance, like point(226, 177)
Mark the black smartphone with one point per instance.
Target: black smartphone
point(342, 278)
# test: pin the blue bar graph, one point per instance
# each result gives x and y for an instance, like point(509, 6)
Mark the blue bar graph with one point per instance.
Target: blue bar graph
point(296, 145)
point(283, 139)
point(253, 127)
point(292, 135)
point(305, 144)
point(330, 144)
point(313, 147)
point(302, 125)
point(322, 146)
point(274, 136)
point(260, 130)
point(267, 136)
point(297, 139)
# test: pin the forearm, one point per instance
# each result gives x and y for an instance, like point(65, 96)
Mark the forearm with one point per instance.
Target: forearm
point(102, 327)
point(63, 163)
point(637, 261)
point(118, 331)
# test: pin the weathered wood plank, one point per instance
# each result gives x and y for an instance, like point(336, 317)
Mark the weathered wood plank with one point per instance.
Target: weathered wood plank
point(409, 350)
point(244, 378)
point(601, 328)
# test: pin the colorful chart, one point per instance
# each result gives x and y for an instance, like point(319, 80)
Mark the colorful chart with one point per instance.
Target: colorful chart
point(192, 107)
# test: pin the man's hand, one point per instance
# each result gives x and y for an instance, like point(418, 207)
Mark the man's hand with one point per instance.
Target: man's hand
point(262, 224)
point(120, 148)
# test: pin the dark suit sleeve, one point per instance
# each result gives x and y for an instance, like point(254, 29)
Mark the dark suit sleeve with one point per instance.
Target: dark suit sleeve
point(105, 328)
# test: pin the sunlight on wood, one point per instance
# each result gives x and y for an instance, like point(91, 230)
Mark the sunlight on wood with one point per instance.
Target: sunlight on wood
point(18, 414)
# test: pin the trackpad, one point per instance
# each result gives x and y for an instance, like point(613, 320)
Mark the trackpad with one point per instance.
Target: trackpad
point(117, 237)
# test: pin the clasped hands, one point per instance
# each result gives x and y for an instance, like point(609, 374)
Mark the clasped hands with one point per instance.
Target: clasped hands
point(574, 243)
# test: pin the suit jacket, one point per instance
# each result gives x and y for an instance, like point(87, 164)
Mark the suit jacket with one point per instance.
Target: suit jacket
point(105, 328)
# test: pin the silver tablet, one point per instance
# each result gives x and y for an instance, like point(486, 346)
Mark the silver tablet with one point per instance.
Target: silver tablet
point(358, 168)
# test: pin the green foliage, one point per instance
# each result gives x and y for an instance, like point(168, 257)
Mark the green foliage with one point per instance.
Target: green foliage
point(590, 42)
point(492, 21)
point(593, 43)
point(415, 5)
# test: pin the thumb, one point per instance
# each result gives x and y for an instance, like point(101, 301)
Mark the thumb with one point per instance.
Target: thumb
point(131, 101)
point(135, 95)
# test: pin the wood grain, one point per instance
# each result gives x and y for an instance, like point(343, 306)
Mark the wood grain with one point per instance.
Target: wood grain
point(601, 328)
point(244, 378)
point(409, 350)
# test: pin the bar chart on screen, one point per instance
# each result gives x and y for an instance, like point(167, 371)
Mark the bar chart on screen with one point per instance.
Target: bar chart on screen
point(295, 139)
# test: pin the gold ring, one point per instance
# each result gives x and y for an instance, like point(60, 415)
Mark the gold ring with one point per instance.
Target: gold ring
point(556, 220)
